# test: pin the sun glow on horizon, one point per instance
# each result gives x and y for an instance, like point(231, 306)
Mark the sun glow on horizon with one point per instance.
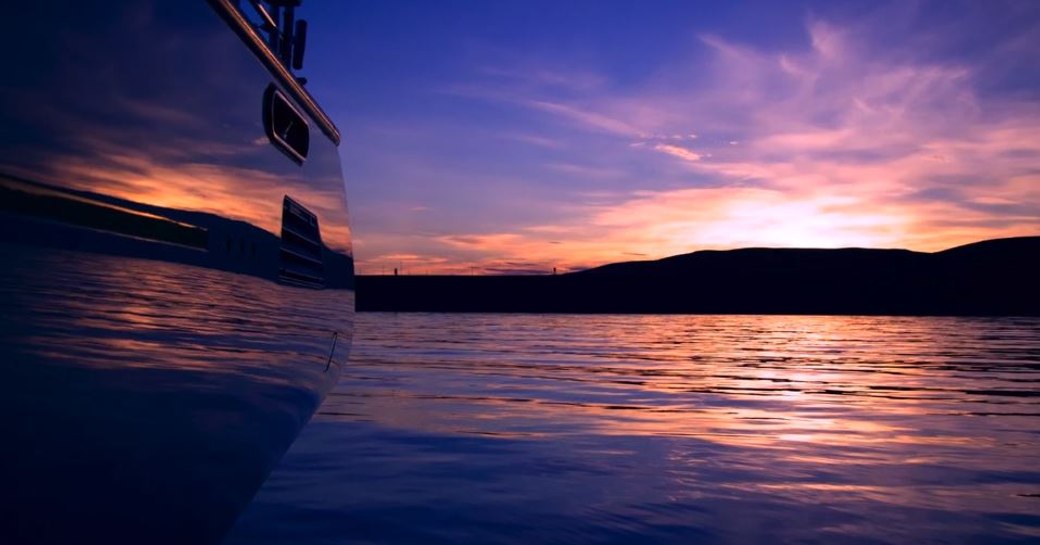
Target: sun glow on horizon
point(862, 133)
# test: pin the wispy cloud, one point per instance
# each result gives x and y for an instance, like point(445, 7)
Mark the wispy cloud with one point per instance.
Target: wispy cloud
point(539, 77)
point(533, 139)
point(678, 151)
point(844, 141)
point(587, 118)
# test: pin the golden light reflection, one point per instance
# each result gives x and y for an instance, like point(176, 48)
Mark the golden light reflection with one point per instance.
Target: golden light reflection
point(245, 194)
point(802, 384)
point(921, 412)
point(150, 315)
point(158, 143)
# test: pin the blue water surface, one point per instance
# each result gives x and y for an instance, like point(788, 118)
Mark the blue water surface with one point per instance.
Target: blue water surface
point(517, 429)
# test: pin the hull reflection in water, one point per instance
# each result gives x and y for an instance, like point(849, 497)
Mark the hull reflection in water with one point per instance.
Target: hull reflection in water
point(136, 404)
point(518, 429)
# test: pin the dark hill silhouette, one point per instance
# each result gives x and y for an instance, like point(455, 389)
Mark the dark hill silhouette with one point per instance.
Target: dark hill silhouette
point(1005, 251)
point(993, 277)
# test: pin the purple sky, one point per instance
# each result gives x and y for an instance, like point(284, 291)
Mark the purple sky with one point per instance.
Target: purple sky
point(520, 136)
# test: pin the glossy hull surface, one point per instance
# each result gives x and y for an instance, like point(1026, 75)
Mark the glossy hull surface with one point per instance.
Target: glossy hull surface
point(177, 292)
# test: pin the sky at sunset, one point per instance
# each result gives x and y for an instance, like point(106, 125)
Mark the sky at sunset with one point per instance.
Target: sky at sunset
point(514, 137)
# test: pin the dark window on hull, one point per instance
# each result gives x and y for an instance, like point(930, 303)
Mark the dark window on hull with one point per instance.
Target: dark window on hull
point(301, 260)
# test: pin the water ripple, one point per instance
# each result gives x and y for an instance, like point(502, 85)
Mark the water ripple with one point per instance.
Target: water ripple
point(669, 429)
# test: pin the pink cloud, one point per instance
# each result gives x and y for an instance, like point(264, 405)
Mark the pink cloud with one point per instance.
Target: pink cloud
point(833, 145)
point(678, 151)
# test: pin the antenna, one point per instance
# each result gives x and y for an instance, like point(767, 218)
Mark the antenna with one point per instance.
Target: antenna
point(288, 39)
point(299, 46)
point(285, 41)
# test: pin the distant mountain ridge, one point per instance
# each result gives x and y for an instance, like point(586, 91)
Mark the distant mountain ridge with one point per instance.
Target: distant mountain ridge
point(996, 250)
point(992, 277)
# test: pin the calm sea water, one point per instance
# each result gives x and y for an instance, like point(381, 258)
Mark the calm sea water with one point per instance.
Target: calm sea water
point(517, 429)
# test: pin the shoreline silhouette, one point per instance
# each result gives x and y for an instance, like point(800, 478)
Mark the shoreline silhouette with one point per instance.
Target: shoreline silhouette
point(995, 277)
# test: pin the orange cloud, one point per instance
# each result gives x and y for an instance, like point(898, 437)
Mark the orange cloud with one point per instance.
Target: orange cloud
point(838, 146)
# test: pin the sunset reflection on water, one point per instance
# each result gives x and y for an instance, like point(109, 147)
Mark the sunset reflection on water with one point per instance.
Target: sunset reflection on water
point(144, 391)
point(669, 429)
